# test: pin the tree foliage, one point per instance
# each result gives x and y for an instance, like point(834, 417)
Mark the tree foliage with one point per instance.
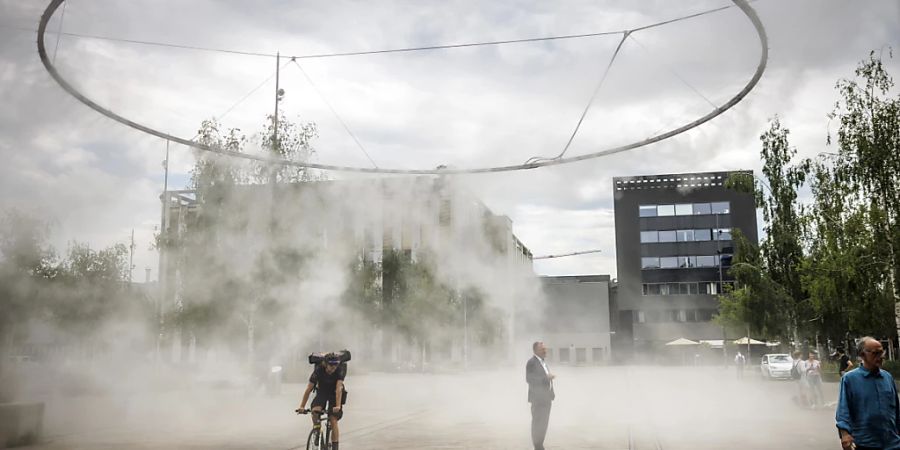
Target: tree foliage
point(76, 295)
point(829, 266)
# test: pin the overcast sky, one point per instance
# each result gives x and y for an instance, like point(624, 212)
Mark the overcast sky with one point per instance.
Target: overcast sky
point(96, 180)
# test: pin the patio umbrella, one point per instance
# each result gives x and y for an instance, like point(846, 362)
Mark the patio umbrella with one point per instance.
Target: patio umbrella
point(681, 342)
point(714, 343)
point(747, 340)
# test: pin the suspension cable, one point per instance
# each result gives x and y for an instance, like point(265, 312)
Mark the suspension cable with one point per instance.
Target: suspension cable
point(333, 111)
point(583, 252)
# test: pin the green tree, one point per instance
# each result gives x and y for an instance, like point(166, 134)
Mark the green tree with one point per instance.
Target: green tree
point(293, 142)
point(227, 268)
point(781, 251)
point(25, 260)
point(868, 161)
point(757, 300)
point(88, 289)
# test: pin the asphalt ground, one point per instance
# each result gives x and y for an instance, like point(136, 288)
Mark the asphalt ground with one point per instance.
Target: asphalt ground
point(635, 407)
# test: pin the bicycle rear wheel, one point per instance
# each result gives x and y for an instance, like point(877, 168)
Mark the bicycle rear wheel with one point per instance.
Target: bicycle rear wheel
point(314, 441)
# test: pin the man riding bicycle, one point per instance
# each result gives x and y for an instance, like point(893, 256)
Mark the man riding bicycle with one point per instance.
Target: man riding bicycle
point(327, 379)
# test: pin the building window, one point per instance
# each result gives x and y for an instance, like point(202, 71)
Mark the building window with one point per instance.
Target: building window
point(684, 235)
point(652, 237)
point(686, 262)
point(684, 209)
point(647, 210)
point(707, 261)
point(702, 235)
point(580, 355)
point(667, 236)
point(720, 207)
point(648, 237)
point(701, 208)
point(722, 234)
point(668, 262)
point(597, 354)
point(639, 317)
point(705, 315)
point(690, 288)
point(682, 315)
point(725, 260)
point(665, 210)
point(649, 263)
point(674, 288)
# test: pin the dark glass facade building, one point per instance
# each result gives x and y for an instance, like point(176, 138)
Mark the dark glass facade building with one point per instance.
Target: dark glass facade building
point(673, 252)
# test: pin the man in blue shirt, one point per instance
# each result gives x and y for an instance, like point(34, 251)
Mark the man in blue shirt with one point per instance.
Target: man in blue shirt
point(868, 411)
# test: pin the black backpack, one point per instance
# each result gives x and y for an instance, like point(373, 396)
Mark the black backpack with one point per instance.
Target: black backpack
point(795, 372)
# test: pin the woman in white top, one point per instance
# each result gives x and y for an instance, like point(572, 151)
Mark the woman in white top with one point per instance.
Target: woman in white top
point(800, 368)
point(814, 380)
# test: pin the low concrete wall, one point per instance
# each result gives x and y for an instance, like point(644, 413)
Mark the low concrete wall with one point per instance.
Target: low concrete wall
point(20, 423)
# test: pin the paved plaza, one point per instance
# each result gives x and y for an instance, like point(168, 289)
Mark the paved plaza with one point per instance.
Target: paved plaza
point(638, 407)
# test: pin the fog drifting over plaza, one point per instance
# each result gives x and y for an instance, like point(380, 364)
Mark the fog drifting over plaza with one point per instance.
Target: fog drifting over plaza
point(94, 181)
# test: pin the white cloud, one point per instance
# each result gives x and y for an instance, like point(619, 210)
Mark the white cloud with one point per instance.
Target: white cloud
point(467, 107)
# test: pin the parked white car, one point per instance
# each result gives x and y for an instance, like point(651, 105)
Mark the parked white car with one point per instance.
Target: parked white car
point(776, 365)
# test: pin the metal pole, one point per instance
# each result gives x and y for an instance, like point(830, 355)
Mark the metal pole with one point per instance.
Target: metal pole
point(131, 259)
point(748, 341)
point(277, 98)
point(163, 257)
point(465, 332)
point(719, 264)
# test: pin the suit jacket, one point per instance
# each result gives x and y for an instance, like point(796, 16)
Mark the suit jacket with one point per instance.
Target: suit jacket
point(540, 389)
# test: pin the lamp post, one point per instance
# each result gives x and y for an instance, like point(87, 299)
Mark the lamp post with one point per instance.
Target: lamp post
point(719, 264)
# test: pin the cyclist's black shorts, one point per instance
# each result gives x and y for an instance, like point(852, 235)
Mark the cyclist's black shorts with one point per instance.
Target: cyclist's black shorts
point(326, 402)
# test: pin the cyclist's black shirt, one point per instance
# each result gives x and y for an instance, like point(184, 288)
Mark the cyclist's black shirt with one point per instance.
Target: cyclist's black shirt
point(327, 384)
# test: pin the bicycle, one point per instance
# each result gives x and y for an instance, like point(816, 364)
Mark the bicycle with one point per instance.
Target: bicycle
point(316, 441)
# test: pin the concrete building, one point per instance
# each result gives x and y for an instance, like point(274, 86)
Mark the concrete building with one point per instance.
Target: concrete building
point(343, 220)
point(673, 252)
point(576, 320)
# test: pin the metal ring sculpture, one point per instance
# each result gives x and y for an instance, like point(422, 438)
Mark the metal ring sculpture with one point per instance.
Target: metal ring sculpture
point(742, 4)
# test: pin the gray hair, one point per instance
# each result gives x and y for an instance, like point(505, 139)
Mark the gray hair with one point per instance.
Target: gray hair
point(861, 345)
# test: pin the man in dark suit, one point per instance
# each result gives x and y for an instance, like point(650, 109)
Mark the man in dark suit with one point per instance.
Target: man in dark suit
point(540, 393)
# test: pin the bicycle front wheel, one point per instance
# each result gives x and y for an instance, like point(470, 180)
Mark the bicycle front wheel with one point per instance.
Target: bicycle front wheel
point(314, 441)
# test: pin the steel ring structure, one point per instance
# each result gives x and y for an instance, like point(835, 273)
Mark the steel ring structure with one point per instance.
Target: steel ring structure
point(742, 4)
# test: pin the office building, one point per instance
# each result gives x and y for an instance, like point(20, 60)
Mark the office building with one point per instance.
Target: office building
point(673, 251)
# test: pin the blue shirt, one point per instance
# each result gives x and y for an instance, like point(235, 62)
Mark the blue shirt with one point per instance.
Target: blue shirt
point(868, 408)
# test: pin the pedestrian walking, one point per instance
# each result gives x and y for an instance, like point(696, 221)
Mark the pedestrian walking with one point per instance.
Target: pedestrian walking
point(798, 370)
point(844, 363)
point(814, 380)
point(540, 393)
point(868, 411)
point(740, 362)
